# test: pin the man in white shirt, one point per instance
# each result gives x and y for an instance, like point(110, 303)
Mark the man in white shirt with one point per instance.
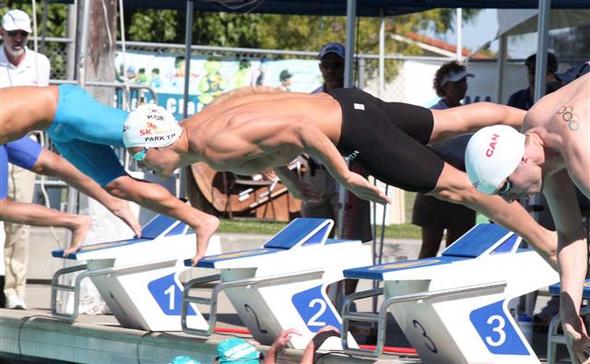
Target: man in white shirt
point(19, 66)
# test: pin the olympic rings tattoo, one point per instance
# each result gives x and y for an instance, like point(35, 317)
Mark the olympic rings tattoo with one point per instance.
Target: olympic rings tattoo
point(568, 115)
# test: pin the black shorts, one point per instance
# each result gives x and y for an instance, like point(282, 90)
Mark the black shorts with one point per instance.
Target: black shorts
point(389, 140)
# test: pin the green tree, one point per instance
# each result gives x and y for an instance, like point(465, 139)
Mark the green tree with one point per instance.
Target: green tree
point(289, 32)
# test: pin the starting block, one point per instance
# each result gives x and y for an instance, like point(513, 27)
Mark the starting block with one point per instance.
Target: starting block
point(454, 308)
point(282, 284)
point(138, 278)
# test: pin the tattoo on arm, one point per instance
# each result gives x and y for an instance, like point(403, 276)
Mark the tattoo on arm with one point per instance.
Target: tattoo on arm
point(570, 117)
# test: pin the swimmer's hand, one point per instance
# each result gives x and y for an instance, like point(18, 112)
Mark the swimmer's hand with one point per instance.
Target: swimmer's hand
point(359, 185)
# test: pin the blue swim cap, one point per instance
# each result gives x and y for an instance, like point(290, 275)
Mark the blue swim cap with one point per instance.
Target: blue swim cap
point(237, 350)
point(184, 359)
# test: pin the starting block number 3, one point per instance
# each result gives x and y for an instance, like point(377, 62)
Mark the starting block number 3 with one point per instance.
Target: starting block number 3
point(497, 331)
point(313, 308)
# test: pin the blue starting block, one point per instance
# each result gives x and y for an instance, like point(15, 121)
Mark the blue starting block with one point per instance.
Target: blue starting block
point(454, 308)
point(554, 335)
point(282, 284)
point(138, 278)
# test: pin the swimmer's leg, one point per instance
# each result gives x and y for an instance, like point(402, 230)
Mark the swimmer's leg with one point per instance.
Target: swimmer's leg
point(157, 198)
point(470, 118)
point(37, 215)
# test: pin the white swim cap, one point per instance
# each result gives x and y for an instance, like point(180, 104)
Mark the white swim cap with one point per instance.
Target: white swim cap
point(492, 154)
point(150, 126)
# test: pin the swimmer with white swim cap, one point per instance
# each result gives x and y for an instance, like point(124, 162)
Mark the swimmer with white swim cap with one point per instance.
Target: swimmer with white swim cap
point(150, 126)
point(551, 155)
point(84, 131)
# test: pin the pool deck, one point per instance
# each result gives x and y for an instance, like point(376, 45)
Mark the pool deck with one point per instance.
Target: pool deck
point(100, 338)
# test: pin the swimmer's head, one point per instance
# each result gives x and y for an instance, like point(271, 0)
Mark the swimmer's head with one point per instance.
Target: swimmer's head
point(150, 126)
point(492, 155)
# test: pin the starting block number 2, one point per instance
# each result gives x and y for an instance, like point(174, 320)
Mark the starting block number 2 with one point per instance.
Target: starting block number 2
point(497, 331)
point(313, 308)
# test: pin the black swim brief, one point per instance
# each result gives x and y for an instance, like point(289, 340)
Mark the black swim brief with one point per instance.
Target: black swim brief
point(388, 139)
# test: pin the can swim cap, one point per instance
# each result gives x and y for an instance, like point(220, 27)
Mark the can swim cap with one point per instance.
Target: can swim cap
point(150, 126)
point(492, 154)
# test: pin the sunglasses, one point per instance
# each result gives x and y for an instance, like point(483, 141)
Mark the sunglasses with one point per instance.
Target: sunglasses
point(14, 33)
point(505, 187)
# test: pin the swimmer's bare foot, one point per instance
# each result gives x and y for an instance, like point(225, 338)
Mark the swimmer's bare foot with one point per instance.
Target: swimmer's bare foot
point(122, 211)
point(209, 225)
point(79, 229)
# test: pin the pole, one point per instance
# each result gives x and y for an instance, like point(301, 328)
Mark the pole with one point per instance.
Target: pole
point(542, 31)
point(459, 26)
point(381, 55)
point(350, 37)
point(502, 49)
point(83, 56)
point(188, 36)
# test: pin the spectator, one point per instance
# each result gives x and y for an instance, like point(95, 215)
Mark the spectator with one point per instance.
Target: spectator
point(525, 98)
point(435, 216)
point(285, 78)
point(258, 74)
point(19, 66)
point(318, 187)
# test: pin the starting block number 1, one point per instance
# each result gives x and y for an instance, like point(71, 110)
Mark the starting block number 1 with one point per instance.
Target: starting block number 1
point(168, 294)
point(497, 331)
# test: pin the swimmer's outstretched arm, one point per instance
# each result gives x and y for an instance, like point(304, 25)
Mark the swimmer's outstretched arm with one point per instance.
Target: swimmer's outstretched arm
point(157, 198)
point(454, 186)
point(320, 146)
point(51, 164)
point(469, 118)
point(572, 255)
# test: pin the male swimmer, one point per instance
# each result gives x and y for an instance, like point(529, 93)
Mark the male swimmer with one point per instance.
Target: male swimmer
point(83, 131)
point(250, 129)
point(551, 155)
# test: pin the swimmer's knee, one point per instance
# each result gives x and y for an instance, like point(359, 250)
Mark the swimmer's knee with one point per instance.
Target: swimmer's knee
point(120, 187)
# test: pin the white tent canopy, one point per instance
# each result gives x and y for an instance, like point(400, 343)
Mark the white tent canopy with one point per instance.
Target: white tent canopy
point(522, 21)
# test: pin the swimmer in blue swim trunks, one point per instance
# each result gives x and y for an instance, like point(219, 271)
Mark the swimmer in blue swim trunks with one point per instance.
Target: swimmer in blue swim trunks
point(28, 154)
point(83, 131)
